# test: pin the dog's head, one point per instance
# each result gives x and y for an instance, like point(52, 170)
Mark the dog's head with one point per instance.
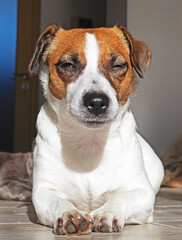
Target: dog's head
point(90, 69)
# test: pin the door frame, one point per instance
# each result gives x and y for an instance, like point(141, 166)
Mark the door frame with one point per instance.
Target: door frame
point(26, 101)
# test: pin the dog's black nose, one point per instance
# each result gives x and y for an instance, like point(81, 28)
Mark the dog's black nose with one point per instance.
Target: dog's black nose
point(96, 103)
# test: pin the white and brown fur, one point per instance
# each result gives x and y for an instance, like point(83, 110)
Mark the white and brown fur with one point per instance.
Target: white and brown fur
point(91, 173)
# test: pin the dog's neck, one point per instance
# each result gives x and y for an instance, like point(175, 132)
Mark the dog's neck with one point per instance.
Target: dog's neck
point(82, 147)
point(80, 138)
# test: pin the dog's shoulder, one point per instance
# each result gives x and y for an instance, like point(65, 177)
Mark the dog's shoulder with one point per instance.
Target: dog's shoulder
point(47, 123)
point(128, 125)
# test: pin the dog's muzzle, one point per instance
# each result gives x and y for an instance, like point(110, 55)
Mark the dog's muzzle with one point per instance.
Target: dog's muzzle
point(96, 103)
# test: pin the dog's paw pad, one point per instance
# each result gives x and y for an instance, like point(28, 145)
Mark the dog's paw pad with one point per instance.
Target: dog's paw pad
point(73, 223)
point(103, 224)
point(83, 225)
point(105, 228)
point(70, 228)
point(106, 223)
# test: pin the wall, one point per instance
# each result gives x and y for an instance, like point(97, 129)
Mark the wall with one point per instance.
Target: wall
point(116, 13)
point(62, 11)
point(158, 105)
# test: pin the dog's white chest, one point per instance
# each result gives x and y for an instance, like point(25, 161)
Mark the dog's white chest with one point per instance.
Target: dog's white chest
point(88, 198)
point(88, 194)
point(90, 190)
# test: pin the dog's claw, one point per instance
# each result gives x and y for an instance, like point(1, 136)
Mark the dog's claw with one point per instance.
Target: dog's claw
point(59, 227)
point(115, 226)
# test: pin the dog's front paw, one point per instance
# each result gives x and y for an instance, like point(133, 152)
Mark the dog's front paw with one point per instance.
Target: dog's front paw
point(106, 222)
point(73, 223)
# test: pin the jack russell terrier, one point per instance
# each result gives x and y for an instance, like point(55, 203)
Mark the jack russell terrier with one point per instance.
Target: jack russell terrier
point(92, 170)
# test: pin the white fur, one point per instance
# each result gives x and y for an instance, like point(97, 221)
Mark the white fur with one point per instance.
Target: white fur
point(105, 170)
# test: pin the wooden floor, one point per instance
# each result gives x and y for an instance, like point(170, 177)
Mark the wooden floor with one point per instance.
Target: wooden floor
point(17, 222)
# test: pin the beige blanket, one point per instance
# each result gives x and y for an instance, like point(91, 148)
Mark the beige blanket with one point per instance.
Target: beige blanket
point(16, 176)
point(172, 161)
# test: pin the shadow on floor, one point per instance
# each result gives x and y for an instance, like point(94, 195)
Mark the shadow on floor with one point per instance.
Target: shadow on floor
point(32, 214)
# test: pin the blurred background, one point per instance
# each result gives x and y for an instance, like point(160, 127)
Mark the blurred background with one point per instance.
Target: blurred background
point(157, 107)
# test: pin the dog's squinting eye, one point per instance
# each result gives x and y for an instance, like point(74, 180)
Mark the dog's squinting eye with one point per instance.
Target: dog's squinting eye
point(119, 67)
point(67, 65)
point(66, 69)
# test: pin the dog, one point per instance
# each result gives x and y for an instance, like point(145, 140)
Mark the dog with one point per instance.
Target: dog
point(92, 170)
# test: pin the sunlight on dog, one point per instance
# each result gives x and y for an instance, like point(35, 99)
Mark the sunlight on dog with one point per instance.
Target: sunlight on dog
point(92, 170)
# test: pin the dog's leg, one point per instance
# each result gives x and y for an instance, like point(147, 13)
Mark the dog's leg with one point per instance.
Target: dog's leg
point(60, 214)
point(124, 207)
point(153, 165)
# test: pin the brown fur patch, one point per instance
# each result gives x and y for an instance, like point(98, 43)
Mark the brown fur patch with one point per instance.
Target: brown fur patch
point(42, 44)
point(63, 46)
point(112, 41)
point(140, 55)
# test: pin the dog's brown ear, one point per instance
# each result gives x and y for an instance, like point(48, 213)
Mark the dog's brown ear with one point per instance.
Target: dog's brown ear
point(140, 55)
point(43, 42)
